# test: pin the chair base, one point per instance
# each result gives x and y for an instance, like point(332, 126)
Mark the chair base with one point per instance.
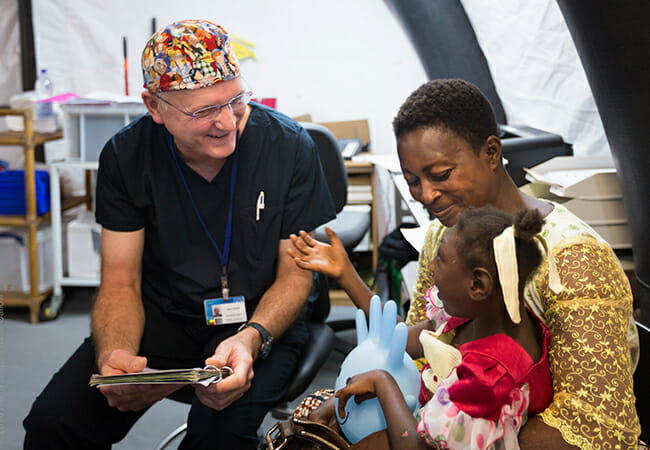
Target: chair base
point(171, 436)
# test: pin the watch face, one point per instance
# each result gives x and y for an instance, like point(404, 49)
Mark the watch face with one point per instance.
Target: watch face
point(265, 348)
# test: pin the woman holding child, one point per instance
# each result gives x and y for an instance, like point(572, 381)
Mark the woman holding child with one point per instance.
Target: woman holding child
point(451, 159)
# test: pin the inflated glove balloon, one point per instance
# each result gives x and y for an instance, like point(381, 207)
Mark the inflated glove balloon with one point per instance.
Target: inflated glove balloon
point(380, 346)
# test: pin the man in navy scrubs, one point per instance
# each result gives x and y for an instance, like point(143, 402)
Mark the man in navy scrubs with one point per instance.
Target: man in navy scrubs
point(197, 200)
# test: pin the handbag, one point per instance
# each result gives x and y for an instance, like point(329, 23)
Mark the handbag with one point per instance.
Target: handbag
point(298, 433)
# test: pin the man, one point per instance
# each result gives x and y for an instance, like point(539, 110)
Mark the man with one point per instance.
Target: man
point(197, 200)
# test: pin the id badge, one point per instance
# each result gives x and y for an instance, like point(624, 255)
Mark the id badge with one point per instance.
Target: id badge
point(220, 311)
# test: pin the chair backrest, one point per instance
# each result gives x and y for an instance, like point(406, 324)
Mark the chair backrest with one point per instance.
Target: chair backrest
point(332, 162)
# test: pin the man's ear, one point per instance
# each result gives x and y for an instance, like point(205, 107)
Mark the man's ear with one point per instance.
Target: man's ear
point(481, 285)
point(493, 151)
point(153, 106)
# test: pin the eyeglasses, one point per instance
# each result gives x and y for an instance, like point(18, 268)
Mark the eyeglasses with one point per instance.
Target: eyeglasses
point(236, 104)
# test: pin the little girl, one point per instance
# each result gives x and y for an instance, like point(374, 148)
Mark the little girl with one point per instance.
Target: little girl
point(501, 374)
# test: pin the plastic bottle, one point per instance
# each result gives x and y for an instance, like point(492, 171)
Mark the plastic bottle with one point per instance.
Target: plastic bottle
point(45, 117)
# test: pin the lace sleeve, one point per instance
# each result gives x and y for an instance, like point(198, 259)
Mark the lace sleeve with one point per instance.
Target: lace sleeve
point(593, 400)
point(424, 276)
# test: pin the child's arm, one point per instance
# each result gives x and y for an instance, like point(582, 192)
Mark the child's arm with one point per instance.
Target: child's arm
point(401, 424)
point(332, 261)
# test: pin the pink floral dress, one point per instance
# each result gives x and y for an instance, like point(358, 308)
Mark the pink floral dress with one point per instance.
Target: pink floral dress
point(486, 399)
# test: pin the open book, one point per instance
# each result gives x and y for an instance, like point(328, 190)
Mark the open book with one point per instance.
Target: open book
point(207, 375)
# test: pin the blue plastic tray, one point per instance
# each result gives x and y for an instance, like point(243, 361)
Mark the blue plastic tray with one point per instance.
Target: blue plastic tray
point(12, 192)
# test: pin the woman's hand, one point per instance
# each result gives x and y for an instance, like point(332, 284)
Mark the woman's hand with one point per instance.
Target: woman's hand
point(329, 259)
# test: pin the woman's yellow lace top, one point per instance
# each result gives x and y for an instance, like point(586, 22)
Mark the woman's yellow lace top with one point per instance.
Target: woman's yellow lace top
point(595, 344)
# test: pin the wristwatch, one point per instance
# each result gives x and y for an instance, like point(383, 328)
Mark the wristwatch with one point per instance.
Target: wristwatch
point(267, 339)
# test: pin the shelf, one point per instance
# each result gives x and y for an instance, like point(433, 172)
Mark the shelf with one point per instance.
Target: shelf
point(71, 202)
point(18, 138)
point(22, 221)
point(27, 139)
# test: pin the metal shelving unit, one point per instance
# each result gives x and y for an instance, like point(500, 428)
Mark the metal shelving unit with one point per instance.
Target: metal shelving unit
point(27, 138)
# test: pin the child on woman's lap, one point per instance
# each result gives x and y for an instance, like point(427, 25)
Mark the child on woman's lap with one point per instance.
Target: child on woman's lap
point(499, 356)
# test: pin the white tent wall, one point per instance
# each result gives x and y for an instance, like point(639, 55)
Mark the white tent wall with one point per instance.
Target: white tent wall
point(10, 80)
point(537, 71)
point(336, 60)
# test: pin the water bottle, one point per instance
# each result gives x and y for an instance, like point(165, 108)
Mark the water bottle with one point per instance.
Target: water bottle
point(45, 117)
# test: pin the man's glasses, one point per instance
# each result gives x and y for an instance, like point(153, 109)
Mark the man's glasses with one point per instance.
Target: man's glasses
point(236, 104)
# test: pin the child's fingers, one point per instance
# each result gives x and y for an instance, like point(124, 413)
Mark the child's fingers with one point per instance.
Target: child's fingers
point(299, 244)
point(307, 238)
point(302, 264)
point(343, 399)
point(334, 239)
point(360, 398)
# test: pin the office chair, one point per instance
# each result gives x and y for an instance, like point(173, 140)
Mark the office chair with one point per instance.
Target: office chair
point(349, 226)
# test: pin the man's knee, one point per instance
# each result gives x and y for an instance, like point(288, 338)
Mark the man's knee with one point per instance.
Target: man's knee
point(45, 425)
point(41, 422)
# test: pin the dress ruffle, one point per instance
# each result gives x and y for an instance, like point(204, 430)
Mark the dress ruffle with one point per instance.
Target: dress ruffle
point(445, 426)
point(435, 310)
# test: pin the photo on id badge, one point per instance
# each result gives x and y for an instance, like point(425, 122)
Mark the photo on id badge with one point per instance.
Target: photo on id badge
point(220, 311)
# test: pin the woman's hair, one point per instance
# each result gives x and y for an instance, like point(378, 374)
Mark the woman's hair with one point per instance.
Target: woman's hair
point(452, 104)
point(477, 227)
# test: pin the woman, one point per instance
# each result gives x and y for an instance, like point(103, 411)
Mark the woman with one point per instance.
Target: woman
point(451, 159)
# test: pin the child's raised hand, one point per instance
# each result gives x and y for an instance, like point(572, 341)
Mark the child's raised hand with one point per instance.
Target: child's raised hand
point(362, 387)
point(310, 254)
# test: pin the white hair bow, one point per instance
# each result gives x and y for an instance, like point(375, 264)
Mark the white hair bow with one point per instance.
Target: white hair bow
point(505, 256)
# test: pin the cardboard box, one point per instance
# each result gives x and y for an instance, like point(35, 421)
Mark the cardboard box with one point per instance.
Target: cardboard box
point(14, 259)
point(84, 244)
point(359, 129)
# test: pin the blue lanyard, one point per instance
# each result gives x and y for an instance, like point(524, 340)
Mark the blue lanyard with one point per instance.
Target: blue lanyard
point(223, 257)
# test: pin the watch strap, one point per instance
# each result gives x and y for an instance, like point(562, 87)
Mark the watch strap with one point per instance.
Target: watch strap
point(267, 339)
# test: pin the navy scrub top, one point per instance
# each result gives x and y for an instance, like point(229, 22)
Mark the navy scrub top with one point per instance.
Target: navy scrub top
point(138, 185)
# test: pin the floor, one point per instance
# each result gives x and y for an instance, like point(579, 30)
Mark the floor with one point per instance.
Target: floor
point(31, 354)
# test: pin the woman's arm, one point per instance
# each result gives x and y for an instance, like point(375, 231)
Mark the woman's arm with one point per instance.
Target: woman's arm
point(593, 400)
point(536, 434)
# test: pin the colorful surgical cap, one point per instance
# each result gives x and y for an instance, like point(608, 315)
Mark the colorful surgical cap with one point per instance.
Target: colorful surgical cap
point(190, 54)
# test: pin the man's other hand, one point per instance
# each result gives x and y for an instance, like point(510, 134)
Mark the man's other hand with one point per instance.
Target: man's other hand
point(130, 397)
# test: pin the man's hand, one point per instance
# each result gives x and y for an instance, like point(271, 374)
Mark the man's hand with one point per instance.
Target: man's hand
point(238, 353)
point(133, 397)
point(310, 254)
